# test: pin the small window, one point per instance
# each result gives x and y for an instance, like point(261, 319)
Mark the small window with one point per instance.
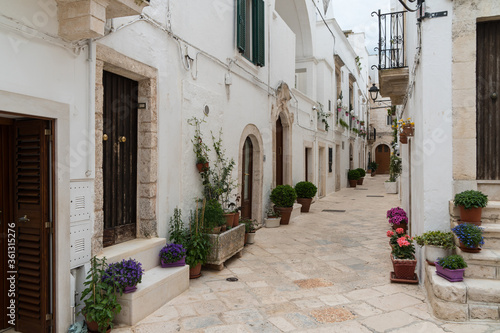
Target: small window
point(330, 159)
point(250, 23)
point(329, 105)
point(389, 120)
point(379, 149)
point(386, 149)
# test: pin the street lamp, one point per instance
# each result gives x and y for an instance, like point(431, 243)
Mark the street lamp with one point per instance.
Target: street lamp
point(373, 92)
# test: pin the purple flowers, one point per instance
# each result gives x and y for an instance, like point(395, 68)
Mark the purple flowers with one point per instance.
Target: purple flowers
point(126, 273)
point(397, 215)
point(172, 253)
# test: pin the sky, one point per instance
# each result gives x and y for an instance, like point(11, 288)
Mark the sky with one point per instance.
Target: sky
point(355, 15)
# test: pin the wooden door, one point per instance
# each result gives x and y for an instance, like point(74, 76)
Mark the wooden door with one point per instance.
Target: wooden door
point(31, 215)
point(307, 164)
point(247, 172)
point(279, 152)
point(119, 158)
point(337, 168)
point(487, 100)
point(5, 213)
point(383, 159)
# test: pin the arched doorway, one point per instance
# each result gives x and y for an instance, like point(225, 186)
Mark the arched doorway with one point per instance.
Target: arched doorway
point(279, 152)
point(247, 175)
point(383, 158)
point(351, 157)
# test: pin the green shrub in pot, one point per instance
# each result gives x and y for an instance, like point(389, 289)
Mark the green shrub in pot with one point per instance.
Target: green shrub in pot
point(471, 199)
point(283, 196)
point(353, 175)
point(305, 190)
point(362, 172)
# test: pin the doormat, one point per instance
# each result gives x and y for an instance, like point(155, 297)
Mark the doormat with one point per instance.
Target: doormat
point(333, 210)
point(375, 196)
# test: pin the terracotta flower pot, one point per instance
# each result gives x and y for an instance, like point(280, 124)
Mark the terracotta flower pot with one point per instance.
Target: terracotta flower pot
point(236, 219)
point(404, 268)
point(215, 230)
point(360, 181)
point(471, 215)
point(373, 173)
point(229, 219)
point(195, 272)
point(202, 167)
point(469, 249)
point(353, 182)
point(408, 130)
point(452, 275)
point(306, 204)
point(403, 138)
point(285, 213)
point(92, 326)
point(401, 225)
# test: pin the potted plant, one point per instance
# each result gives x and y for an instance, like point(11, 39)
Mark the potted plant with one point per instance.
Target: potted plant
point(213, 216)
point(408, 127)
point(397, 218)
point(199, 147)
point(283, 197)
point(127, 273)
point(373, 166)
point(173, 255)
point(273, 218)
point(470, 237)
point(395, 167)
point(394, 236)
point(305, 192)
point(362, 174)
point(403, 260)
point(438, 244)
point(451, 268)
point(250, 228)
point(99, 297)
point(197, 242)
point(353, 176)
point(471, 204)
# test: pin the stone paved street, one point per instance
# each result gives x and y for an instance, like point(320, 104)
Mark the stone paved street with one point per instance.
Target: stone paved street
point(346, 256)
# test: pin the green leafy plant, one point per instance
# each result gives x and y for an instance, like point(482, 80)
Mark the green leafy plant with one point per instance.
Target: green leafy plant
point(177, 230)
point(200, 148)
point(362, 172)
point(283, 196)
point(436, 238)
point(198, 243)
point(273, 213)
point(454, 261)
point(355, 130)
point(395, 168)
point(373, 166)
point(469, 234)
point(99, 296)
point(250, 225)
point(471, 199)
point(221, 174)
point(305, 189)
point(353, 175)
point(214, 214)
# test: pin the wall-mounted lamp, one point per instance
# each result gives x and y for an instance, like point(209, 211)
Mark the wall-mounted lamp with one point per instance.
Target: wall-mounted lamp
point(373, 92)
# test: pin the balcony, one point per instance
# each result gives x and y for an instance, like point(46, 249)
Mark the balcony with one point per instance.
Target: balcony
point(393, 70)
point(371, 135)
point(82, 19)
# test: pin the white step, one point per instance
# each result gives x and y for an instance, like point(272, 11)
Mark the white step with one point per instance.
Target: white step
point(159, 285)
point(482, 265)
point(144, 250)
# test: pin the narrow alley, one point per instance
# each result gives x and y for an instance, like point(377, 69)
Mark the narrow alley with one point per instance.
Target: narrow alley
point(328, 271)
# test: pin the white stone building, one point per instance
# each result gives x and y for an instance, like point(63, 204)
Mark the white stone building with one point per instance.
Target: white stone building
point(444, 78)
point(102, 93)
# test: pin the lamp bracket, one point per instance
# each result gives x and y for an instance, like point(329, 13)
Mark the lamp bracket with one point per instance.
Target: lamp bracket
point(436, 14)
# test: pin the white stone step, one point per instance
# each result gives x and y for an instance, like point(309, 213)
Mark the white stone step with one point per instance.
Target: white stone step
point(159, 285)
point(144, 250)
point(482, 265)
point(470, 299)
point(490, 214)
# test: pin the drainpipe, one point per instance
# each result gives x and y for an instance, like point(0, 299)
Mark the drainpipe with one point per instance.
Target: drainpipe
point(91, 103)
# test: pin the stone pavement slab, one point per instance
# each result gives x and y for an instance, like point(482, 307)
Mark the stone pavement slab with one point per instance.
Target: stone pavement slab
point(342, 263)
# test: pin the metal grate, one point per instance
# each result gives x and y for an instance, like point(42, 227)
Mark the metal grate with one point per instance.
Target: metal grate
point(375, 196)
point(334, 210)
point(360, 189)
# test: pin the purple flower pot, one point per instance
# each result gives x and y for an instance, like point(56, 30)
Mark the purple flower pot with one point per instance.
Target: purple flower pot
point(178, 263)
point(452, 275)
point(129, 289)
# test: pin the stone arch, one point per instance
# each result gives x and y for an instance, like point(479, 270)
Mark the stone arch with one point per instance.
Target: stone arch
point(297, 15)
point(251, 131)
point(383, 165)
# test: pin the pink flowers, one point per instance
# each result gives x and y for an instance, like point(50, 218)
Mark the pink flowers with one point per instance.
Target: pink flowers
point(390, 233)
point(403, 241)
point(400, 230)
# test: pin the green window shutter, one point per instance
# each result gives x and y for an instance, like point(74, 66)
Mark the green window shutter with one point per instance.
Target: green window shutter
point(259, 33)
point(241, 25)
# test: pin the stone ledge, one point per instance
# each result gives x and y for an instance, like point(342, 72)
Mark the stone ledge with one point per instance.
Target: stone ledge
point(159, 285)
point(443, 289)
point(446, 310)
point(484, 291)
point(295, 211)
point(144, 250)
point(226, 245)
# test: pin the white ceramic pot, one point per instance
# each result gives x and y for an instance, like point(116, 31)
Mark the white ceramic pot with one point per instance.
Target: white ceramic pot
point(273, 222)
point(432, 253)
point(251, 238)
point(391, 187)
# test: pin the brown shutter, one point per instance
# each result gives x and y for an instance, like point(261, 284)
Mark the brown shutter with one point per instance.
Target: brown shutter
point(31, 212)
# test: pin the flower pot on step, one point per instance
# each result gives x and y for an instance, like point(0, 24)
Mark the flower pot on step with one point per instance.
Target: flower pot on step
point(469, 249)
point(471, 214)
point(285, 213)
point(306, 204)
point(178, 263)
point(404, 268)
point(452, 275)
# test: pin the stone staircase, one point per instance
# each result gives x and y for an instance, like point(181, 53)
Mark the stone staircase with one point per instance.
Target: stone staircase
point(478, 296)
point(158, 286)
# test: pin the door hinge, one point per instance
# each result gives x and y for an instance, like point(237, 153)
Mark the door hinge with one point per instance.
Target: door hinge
point(48, 132)
point(48, 225)
point(48, 317)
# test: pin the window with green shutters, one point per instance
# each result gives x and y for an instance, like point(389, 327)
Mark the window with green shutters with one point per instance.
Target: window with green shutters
point(251, 30)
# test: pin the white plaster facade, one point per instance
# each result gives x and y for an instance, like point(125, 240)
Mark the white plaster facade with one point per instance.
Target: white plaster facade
point(46, 76)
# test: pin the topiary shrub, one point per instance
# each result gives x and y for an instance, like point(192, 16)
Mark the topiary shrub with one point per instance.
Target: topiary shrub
point(283, 196)
point(353, 175)
point(471, 199)
point(305, 189)
point(362, 172)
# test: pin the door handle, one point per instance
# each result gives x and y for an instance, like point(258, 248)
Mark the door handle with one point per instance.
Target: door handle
point(494, 96)
point(104, 137)
point(122, 139)
point(247, 174)
point(24, 219)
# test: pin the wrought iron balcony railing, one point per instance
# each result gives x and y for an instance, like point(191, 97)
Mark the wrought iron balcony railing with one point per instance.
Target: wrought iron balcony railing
point(391, 41)
point(371, 135)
